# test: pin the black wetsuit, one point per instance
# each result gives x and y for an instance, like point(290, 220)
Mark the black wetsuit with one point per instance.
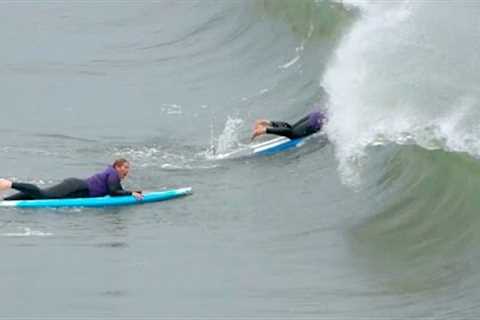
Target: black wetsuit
point(101, 184)
point(304, 127)
point(68, 188)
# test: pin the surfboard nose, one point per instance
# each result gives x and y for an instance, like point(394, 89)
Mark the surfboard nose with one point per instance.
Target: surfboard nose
point(188, 190)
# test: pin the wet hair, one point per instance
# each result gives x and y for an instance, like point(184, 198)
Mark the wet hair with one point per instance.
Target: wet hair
point(119, 162)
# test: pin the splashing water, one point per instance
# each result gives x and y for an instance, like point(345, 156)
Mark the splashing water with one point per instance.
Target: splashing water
point(395, 79)
point(228, 140)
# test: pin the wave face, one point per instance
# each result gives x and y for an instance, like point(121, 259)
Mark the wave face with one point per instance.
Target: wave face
point(380, 223)
point(404, 111)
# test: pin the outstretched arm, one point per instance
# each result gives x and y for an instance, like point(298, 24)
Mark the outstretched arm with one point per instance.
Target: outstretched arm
point(115, 189)
point(280, 131)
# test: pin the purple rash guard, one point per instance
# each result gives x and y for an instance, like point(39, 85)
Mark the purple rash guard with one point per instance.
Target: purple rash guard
point(315, 120)
point(105, 183)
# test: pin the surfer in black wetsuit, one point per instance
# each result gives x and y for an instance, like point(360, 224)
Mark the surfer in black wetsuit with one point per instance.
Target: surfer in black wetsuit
point(311, 123)
point(101, 184)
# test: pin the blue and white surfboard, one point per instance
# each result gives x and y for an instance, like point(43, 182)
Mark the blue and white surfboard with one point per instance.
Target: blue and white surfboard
point(266, 148)
point(99, 201)
point(277, 145)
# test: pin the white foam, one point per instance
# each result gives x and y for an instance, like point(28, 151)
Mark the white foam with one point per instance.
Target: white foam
point(27, 232)
point(229, 139)
point(404, 74)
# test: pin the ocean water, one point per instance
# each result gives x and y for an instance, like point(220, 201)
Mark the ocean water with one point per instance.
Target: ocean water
point(381, 223)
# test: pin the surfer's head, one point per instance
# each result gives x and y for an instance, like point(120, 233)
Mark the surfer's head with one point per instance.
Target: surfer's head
point(122, 167)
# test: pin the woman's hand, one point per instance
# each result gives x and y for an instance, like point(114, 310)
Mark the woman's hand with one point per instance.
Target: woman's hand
point(5, 184)
point(258, 131)
point(137, 195)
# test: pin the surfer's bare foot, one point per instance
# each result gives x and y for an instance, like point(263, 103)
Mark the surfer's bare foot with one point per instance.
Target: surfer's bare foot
point(5, 184)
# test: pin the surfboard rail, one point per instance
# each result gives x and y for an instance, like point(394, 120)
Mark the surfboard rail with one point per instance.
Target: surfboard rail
point(106, 201)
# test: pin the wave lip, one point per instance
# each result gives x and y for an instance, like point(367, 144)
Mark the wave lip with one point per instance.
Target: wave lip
point(403, 75)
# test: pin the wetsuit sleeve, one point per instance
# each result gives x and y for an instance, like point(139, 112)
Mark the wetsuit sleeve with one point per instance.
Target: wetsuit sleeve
point(115, 187)
point(304, 119)
point(280, 131)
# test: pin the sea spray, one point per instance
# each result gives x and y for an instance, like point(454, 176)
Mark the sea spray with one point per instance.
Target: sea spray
point(395, 79)
point(227, 141)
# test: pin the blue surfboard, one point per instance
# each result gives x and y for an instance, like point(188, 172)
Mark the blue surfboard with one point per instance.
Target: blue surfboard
point(99, 201)
point(275, 146)
point(265, 148)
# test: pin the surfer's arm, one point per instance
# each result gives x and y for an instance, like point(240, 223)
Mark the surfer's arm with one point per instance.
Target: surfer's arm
point(301, 120)
point(280, 131)
point(115, 188)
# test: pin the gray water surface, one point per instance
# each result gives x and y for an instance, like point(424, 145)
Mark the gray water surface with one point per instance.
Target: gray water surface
point(170, 84)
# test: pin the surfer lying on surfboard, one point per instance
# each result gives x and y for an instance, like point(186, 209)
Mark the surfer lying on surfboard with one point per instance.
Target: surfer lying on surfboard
point(311, 123)
point(107, 182)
